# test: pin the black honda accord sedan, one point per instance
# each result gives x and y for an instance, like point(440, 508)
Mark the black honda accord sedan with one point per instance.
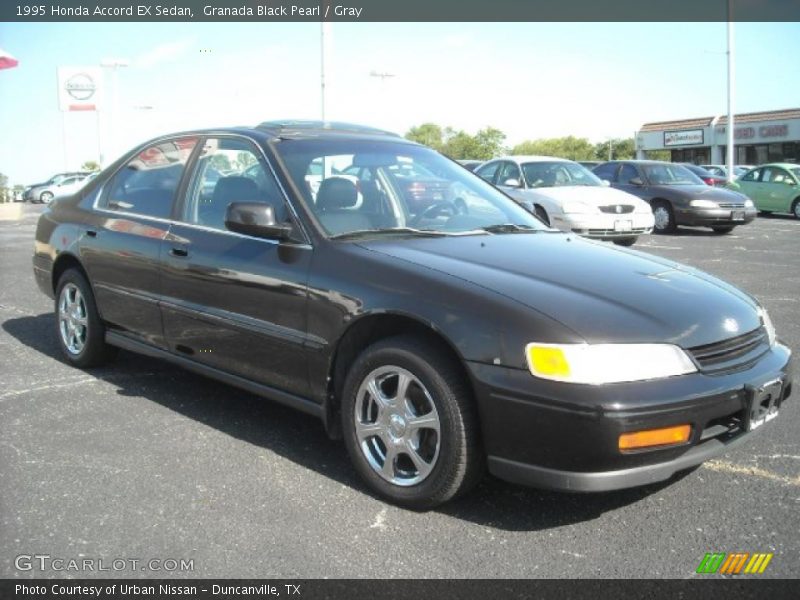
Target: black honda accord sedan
point(437, 343)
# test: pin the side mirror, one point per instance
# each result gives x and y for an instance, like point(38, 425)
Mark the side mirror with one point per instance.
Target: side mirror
point(512, 182)
point(636, 181)
point(256, 219)
point(605, 182)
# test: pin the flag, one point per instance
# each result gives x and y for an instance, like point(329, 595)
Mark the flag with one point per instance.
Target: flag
point(6, 60)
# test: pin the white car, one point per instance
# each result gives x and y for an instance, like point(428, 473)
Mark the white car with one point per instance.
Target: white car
point(67, 186)
point(568, 196)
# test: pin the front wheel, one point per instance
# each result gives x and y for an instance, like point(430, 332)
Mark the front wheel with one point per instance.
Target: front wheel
point(409, 423)
point(625, 242)
point(796, 208)
point(81, 333)
point(722, 230)
point(664, 217)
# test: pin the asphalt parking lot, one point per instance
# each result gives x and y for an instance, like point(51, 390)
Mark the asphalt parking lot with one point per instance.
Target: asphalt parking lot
point(141, 460)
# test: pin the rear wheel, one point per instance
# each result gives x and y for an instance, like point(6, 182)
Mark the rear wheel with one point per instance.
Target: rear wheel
point(722, 230)
point(81, 333)
point(625, 241)
point(796, 208)
point(45, 197)
point(409, 423)
point(664, 217)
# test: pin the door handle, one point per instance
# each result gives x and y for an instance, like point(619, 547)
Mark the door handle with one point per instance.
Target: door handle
point(91, 233)
point(179, 251)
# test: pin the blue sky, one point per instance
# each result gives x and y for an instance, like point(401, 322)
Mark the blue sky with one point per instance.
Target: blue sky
point(531, 80)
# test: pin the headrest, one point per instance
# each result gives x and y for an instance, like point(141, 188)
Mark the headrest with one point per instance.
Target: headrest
point(336, 192)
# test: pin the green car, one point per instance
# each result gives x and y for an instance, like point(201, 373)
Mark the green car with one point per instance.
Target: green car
point(772, 188)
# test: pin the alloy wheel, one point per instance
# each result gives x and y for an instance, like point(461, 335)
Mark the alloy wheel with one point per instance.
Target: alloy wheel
point(397, 426)
point(662, 217)
point(73, 321)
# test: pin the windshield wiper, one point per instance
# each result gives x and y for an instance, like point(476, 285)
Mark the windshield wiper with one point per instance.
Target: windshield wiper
point(510, 228)
point(402, 230)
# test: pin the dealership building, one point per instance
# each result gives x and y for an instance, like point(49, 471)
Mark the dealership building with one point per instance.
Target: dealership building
point(760, 137)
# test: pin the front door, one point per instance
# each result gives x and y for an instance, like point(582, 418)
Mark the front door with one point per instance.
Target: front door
point(232, 301)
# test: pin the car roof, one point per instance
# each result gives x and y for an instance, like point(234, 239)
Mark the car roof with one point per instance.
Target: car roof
point(783, 165)
point(523, 158)
point(296, 128)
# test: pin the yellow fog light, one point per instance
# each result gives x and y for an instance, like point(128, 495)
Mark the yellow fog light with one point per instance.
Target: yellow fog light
point(665, 436)
point(547, 361)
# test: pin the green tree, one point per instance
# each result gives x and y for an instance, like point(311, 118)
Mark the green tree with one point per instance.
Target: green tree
point(568, 147)
point(91, 165)
point(4, 195)
point(621, 149)
point(221, 162)
point(459, 144)
point(244, 160)
point(428, 134)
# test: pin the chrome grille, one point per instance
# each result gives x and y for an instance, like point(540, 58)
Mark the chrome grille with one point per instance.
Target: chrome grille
point(612, 208)
point(731, 205)
point(733, 352)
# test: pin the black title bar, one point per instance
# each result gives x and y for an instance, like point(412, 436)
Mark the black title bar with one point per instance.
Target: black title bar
point(399, 10)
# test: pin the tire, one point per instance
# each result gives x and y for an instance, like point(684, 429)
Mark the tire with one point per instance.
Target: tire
point(722, 230)
point(431, 463)
point(796, 208)
point(80, 332)
point(664, 217)
point(542, 214)
point(627, 242)
point(45, 198)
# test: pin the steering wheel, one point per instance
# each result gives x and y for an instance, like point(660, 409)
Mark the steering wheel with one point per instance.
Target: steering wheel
point(434, 210)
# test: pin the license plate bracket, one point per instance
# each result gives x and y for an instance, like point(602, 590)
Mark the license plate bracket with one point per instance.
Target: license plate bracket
point(737, 215)
point(763, 403)
point(623, 225)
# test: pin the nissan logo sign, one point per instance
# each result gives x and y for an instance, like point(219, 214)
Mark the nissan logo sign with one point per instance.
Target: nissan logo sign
point(80, 86)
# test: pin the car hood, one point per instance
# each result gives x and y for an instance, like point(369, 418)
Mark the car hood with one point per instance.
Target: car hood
point(592, 195)
point(700, 192)
point(600, 292)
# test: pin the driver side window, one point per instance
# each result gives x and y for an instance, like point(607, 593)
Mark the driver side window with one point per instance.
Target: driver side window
point(230, 170)
point(509, 171)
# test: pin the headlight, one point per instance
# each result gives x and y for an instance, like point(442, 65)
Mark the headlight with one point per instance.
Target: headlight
point(767, 322)
point(606, 363)
point(748, 203)
point(574, 206)
point(703, 204)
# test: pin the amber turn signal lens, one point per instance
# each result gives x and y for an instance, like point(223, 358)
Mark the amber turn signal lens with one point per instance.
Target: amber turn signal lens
point(655, 437)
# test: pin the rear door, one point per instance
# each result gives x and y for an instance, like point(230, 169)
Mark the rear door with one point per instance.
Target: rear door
point(779, 189)
point(750, 184)
point(121, 250)
point(627, 174)
point(232, 301)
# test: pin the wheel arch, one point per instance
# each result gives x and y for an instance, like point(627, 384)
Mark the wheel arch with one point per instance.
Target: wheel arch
point(367, 330)
point(64, 261)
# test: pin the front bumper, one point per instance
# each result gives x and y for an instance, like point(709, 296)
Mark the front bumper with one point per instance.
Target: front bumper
point(605, 226)
point(565, 436)
point(710, 217)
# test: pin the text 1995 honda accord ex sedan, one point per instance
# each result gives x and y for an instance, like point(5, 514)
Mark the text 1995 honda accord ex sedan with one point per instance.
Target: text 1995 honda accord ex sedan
point(284, 259)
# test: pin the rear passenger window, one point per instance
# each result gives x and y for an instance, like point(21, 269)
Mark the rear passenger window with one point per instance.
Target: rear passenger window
point(147, 184)
point(752, 175)
point(606, 171)
point(627, 173)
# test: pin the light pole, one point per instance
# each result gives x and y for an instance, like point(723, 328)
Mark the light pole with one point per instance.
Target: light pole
point(731, 74)
point(115, 64)
point(324, 39)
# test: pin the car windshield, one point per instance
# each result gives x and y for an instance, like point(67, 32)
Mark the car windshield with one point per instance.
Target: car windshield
point(667, 174)
point(557, 173)
point(369, 187)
